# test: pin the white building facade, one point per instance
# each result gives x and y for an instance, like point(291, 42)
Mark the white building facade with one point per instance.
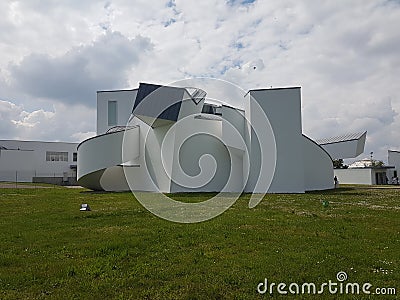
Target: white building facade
point(37, 161)
point(365, 175)
point(394, 160)
point(171, 139)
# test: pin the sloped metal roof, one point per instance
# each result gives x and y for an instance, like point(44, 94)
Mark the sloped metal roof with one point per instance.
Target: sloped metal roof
point(162, 102)
point(340, 138)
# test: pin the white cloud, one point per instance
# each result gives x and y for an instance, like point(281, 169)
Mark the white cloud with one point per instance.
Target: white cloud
point(64, 123)
point(344, 56)
point(81, 136)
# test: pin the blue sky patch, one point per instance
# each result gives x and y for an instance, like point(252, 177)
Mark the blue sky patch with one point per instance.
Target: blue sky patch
point(240, 2)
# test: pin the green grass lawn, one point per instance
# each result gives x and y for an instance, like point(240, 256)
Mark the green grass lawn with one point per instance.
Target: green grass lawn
point(119, 250)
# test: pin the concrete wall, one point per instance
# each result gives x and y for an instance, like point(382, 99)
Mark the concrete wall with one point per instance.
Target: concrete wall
point(318, 168)
point(354, 176)
point(124, 98)
point(202, 161)
point(105, 151)
point(233, 127)
point(17, 165)
point(283, 109)
point(362, 175)
point(394, 160)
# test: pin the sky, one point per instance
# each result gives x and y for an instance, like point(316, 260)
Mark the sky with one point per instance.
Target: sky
point(345, 55)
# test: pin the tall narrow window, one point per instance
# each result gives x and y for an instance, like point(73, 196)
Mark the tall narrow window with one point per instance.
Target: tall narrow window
point(112, 113)
point(74, 156)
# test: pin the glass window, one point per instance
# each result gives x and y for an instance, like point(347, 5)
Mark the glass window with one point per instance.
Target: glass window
point(208, 109)
point(211, 109)
point(56, 156)
point(112, 113)
point(74, 156)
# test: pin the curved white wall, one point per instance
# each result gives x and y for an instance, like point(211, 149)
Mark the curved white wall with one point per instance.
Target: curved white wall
point(102, 152)
point(318, 168)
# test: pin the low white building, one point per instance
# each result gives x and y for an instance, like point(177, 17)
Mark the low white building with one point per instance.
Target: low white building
point(364, 172)
point(37, 161)
point(365, 175)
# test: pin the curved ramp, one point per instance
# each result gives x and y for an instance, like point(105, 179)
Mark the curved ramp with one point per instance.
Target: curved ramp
point(100, 157)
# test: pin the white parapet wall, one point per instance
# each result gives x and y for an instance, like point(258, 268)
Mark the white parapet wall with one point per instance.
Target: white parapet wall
point(354, 176)
point(282, 107)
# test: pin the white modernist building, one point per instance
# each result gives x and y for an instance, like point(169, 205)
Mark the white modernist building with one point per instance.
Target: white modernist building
point(174, 139)
point(37, 161)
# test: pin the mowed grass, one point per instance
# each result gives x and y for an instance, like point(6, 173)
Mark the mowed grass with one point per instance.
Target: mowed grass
point(119, 250)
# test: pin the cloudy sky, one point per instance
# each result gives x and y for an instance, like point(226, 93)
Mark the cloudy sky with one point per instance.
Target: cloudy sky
point(344, 54)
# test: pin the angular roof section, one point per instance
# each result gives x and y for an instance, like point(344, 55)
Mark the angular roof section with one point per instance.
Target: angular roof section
point(341, 138)
point(344, 146)
point(158, 105)
point(162, 102)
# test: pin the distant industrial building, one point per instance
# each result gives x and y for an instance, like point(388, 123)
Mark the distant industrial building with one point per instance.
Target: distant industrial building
point(38, 161)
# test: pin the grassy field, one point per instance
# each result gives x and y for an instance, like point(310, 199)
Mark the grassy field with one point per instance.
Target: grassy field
point(51, 250)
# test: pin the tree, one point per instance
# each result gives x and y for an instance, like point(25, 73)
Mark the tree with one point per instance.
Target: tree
point(337, 163)
point(377, 163)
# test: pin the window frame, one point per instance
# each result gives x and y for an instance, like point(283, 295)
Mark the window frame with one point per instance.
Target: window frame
point(112, 113)
point(53, 156)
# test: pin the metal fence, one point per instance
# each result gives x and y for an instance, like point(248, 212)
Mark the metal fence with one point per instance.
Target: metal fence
point(33, 176)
